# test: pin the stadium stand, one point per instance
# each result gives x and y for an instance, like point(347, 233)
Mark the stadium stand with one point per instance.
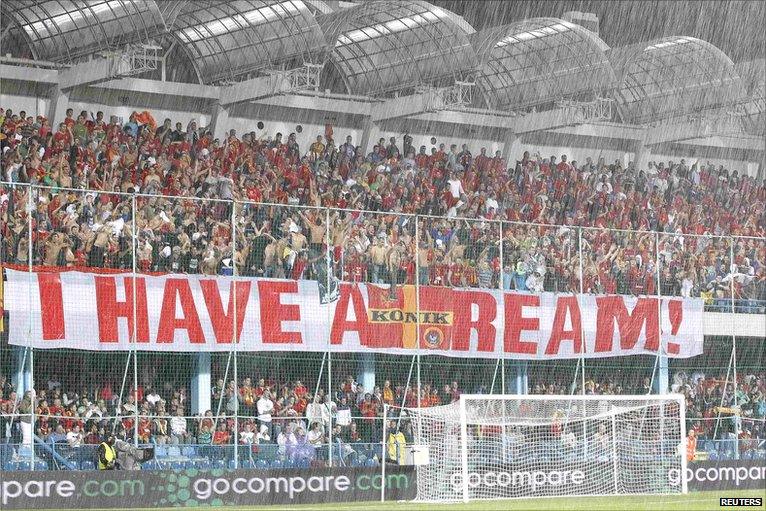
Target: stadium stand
point(104, 192)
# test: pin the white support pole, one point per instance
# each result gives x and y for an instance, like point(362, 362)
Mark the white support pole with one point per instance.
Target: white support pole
point(464, 447)
point(33, 408)
point(235, 336)
point(614, 452)
point(736, 417)
point(135, 321)
point(383, 455)
point(417, 311)
point(582, 347)
point(582, 328)
point(329, 345)
point(684, 461)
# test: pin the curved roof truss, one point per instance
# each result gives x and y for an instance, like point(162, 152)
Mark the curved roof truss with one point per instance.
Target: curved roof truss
point(389, 45)
point(672, 77)
point(539, 60)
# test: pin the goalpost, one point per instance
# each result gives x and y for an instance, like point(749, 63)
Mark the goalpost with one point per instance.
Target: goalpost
point(522, 446)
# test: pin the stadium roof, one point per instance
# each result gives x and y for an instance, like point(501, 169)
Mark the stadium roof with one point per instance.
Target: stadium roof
point(391, 45)
point(227, 40)
point(386, 47)
point(64, 31)
point(671, 77)
point(753, 74)
point(539, 60)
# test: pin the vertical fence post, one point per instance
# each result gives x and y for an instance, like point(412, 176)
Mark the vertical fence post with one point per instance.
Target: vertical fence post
point(736, 417)
point(383, 457)
point(328, 282)
point(581, 298)
point(31, 359)
point(133, 333)
point(417, 313)
point(235, 333)
point(659, 381)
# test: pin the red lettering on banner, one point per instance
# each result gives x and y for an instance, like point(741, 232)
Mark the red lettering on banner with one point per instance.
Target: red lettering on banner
point(223, 321)
point(565, 305)
point(612, 308)
point(51, 306)
point(274, 312)
point(515, 323)
point(462, 326)
point(109, 309)
point(676, 313)
point(179, 291)
point(349, 294)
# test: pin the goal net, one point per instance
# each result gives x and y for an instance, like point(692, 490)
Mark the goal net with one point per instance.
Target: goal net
point(504, 446)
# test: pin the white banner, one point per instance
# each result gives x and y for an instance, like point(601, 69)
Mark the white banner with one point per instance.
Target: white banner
point(196, 313)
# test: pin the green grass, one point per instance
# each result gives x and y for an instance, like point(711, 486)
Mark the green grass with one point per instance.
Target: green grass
point(702, 501)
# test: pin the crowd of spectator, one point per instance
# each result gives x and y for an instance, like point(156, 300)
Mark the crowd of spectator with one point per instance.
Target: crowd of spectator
point(290, 415)
point(331, 212)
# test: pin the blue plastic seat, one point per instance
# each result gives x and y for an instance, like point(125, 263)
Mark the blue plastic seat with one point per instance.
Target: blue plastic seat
point(41, 465)
point(218, 464)
point(87, 465)
point(232, 464)
point(177, 465)
point(277, 464)
point(202, 464)
point(190, 451)
point(174, 451)
point(261, 464)
point(371, 462)
point(9, 466)
point(712, 455)
point(24, 465)
point(160, 451)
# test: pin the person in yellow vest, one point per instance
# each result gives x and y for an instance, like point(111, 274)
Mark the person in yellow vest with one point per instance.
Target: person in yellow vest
point(396, 444)
point(107, 456)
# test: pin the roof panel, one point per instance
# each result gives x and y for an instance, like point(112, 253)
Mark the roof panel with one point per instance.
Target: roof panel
point(390, 45)
point(673, 76)
point(532, 54)
point(273, 32)
point(65, 30)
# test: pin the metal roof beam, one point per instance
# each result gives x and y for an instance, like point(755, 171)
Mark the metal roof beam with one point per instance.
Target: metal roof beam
point(403, 106)
point(542, 121)
point(254, 88)
point(688, 129)
point(29, 74)
point(305, 77)
point(426, 99)
point(93, 71)
point(744, 142)
point(191, 90)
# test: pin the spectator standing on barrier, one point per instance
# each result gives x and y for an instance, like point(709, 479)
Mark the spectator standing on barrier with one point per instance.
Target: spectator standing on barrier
point(178, 431)
point(74, 438)
point(265, 408)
